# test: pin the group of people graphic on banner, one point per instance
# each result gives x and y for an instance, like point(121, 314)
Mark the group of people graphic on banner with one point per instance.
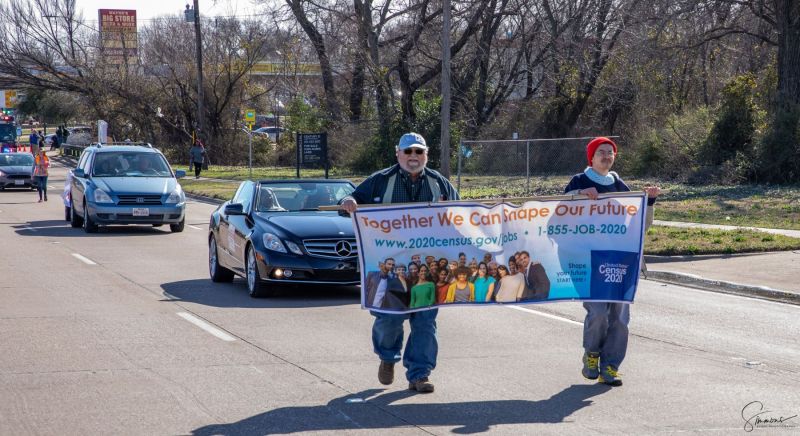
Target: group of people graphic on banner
point(417, 284)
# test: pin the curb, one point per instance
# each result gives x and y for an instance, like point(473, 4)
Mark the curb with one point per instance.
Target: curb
point(204, 199)
point(697, 282)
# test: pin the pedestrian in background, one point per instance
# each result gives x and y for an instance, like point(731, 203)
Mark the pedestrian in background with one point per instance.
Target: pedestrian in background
point(34, 142)
point(605, 329)
point(41, 167)
point(197, 157)
point(409, 181)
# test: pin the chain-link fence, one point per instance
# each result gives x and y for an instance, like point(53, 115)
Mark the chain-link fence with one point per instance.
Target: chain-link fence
point(522, 158)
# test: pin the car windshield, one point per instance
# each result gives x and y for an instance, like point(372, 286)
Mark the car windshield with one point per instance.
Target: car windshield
point(10, 160)
point(7, 132)
point(290, 197)
point(130, 164)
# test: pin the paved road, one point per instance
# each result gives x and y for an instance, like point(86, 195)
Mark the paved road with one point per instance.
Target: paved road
point(101, 334)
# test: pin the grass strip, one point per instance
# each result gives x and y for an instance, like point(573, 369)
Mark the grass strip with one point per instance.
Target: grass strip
point(671, 241)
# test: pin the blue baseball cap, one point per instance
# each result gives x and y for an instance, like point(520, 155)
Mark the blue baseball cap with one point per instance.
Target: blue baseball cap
point(410, 140)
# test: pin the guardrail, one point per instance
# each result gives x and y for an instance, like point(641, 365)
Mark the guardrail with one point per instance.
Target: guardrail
point(72, 150)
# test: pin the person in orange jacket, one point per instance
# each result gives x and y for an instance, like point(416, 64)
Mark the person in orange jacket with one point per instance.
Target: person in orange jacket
point(41, 167)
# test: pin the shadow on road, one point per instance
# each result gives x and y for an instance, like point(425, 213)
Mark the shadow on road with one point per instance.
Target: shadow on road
point(61, 228)
point(208, 293)
point(350, 413)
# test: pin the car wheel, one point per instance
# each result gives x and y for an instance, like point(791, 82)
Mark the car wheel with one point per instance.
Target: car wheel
point(217, 272)
point(67, 213)
point(75, 221)
point(88, 225)
point(255, 286)
point(177, 228)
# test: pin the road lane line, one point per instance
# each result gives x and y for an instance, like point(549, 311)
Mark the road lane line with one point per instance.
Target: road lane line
point(194, 227)
point(206, 326)
point(546, 315)
point(83, 259)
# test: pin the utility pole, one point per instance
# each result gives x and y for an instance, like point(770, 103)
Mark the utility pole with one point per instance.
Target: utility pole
point(445, 128)
point(199, 43)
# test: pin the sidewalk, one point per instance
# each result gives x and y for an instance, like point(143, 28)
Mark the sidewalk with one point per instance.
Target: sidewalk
point(772, 276)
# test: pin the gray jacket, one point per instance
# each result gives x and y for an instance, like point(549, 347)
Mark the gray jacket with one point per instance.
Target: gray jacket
point(197, 154)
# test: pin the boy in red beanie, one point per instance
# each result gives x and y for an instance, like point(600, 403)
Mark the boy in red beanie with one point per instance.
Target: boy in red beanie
point(605, 329)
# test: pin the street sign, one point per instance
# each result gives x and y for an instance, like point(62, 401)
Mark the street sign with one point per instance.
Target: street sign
point(250, 116)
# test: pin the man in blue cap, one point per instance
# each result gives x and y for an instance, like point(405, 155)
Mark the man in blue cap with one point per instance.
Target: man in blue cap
point(409, 181)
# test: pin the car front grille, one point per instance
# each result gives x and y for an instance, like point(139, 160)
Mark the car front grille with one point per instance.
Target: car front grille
point(133, 200)
point(19, 176)
point(332, 248)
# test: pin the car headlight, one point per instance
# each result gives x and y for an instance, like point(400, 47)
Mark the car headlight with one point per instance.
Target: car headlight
point(294, 248)
point(2, 174)
point(272, 242)
point(101, 196)
point(177, 196)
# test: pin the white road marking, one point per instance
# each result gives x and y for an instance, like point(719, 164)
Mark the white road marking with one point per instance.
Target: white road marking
point(83, 259)
point(51, 187)
point(546, 315)
point(194, 227)
point(206, 326)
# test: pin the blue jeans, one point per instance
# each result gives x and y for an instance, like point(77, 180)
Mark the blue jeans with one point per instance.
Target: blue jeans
point(41, 185)
point(422, 348)
point(605, 331)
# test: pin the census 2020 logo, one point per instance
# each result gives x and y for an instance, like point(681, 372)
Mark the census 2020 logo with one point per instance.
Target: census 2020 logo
point(614, 275)
point(613, 272)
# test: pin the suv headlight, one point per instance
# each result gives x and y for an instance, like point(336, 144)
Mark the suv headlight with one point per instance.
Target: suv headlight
point(293, 247)
point(176, 197)
point(272, 242)
point(101, 196)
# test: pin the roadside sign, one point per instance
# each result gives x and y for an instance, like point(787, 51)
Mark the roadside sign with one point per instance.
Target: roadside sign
point(250, 116)
point(312, 149)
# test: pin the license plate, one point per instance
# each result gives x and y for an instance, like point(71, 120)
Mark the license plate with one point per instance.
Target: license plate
point(19, 182)
point(141, 211)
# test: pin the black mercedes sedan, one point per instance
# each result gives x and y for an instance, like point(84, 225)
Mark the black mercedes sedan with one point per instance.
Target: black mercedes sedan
point(272, 233)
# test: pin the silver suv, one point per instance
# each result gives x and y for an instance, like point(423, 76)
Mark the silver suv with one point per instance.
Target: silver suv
point(125, 183)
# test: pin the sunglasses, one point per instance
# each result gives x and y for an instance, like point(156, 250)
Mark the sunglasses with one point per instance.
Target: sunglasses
point(408, 151)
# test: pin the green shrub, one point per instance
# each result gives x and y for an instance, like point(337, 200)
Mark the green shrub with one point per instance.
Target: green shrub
point(669, 152)
point(728, 153)
point(779, 152)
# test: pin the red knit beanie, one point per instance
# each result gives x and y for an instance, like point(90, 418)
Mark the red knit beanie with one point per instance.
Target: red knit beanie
point(591, 147)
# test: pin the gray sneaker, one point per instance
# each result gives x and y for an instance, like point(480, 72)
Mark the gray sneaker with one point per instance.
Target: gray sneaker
point(386, 372)
point(590, 365)
point(610, 376)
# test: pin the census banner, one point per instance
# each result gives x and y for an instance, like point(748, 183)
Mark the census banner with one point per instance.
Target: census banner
point(419, 257)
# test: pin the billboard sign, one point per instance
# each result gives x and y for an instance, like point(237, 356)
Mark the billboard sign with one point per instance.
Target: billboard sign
point(8, 99)
point(118, 36)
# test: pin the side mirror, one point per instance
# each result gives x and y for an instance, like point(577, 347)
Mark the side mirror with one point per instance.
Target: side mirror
point(234, 209)
point(179, 174)
point(78, 172)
